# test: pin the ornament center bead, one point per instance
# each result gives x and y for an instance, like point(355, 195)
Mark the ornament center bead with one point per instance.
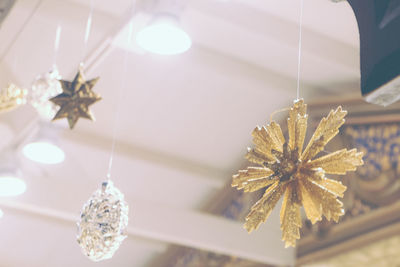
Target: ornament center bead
point(288, 169)
point(287, 164)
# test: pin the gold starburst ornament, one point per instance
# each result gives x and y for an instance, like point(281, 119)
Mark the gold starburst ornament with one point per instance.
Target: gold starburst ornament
point(285, 169)
point(75, 99)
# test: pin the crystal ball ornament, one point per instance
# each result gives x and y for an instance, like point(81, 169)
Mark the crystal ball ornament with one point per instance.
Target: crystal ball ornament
point(43, 88)
point(103, 222)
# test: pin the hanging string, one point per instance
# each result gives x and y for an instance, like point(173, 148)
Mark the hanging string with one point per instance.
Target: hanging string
point(119, 100)
point(56, 45)
point(88, 28)
point(300, 42)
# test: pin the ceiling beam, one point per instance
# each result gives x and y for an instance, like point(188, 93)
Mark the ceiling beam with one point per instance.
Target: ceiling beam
point(99, 145)
point(278, 28)
point(189, 228)
point(271, 41)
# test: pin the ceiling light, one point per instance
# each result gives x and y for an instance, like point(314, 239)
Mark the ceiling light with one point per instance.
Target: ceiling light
point(43, 152)
point(164, 36)
point(11, 185)
point(43, 147)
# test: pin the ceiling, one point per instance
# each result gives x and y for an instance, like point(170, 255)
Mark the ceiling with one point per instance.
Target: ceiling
point(182, 122)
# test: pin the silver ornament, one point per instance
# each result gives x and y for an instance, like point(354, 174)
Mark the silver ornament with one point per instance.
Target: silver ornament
point(104, 219)
point(43, 88)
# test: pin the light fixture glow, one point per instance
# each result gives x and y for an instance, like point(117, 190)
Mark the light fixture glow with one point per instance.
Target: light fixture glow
point(43, 152)
point(164, 37)
point(1, 213)
point(10, 185)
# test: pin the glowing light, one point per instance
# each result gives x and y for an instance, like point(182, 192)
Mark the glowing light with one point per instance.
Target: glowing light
point(164, 37)
point(10, 185)
point(1, 213)
point(43, 152)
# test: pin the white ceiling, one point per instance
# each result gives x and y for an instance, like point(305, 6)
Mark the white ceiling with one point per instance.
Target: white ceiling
point(183, 123)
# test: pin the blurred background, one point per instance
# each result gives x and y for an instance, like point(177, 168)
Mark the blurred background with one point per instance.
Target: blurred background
point(183, 97)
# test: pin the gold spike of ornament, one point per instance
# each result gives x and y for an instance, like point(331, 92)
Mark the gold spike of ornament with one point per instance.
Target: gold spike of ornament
point(286, 170)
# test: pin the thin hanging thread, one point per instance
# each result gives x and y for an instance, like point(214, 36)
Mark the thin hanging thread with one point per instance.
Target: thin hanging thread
point(56, 45)
point(300, 42)
point(88, 28)
point(117, 109)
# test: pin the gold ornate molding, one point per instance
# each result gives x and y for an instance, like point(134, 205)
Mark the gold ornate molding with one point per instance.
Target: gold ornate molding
point(355, 252)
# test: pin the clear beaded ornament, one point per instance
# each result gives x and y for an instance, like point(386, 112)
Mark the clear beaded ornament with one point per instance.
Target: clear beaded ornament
point(104, 219)
point(43, 88)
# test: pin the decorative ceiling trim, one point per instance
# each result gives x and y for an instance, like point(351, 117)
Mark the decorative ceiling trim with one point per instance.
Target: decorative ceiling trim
point(360, 112)
point(350, 244)
point(383, 253)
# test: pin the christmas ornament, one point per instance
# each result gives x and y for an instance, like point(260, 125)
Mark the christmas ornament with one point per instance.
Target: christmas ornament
point(11, 97)
point(286, 170)
point(104, 219)
point(43, 88)
point(76, 98)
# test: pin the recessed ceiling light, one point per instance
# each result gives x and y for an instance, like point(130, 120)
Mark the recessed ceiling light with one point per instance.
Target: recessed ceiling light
point(11, 185)
point(164, 36)
point(43, 152)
